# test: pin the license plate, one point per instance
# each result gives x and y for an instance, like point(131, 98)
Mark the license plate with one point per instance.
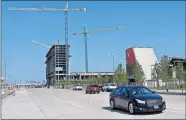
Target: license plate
point(156, 107)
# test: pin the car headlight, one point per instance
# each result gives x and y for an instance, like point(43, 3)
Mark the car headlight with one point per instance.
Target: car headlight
point(140, 101)
point(163, 100)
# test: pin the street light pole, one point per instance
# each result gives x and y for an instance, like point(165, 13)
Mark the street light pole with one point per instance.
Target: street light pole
point(113, 65)
point(5, 69)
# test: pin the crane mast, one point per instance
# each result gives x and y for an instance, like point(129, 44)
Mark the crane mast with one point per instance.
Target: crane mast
point(85, 32)
point(66, 10)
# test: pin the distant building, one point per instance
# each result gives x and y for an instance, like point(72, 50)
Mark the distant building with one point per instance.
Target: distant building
point(56, 64)
point(146, 57)
point(85, 76)
point(174, 61)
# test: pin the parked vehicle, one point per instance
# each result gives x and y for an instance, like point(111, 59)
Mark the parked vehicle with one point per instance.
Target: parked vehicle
point(77, 87)
point(136, 99)
point(101, 87)
point(92, 89)
point(109, 87)
point(10, 90)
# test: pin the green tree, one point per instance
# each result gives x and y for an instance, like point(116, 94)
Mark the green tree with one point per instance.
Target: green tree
point(100, 79)
point(184, 78)
point(120, 75)
point(156, 73)
point(166, 71)
point(106, 79)
point(139, 75)
point(179, 72)
point(89, 80)
point(57, 83)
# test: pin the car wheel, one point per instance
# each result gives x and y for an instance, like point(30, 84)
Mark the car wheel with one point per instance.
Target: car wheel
point(98, 92)
point(107, 90)
point(112, 105)
point(131, 108)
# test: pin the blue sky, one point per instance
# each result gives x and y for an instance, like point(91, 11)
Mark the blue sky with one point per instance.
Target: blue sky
point(160, 25)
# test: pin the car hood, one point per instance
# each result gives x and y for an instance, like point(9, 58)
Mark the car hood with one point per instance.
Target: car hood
point(148, 96)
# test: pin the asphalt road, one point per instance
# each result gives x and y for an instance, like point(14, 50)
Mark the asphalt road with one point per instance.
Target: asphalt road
point(68, 104)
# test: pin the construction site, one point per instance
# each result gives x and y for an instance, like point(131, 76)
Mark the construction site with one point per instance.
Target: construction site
point(58, 56)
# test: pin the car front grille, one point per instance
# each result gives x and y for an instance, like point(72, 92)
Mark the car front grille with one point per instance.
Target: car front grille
point(152, 102)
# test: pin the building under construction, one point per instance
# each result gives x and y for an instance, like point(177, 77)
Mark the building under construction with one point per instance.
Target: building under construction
point(56, 64)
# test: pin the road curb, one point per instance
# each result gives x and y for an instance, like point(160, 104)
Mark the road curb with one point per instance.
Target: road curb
point(9, 95)
point(171, 93)
point(6, 98)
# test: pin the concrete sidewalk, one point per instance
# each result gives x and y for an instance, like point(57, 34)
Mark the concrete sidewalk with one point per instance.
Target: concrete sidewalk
point(21, 106)
point(171, 92)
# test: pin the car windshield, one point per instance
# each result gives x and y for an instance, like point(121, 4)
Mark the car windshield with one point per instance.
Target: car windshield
point(140, 90)
point(94, 85)
point(112, 84)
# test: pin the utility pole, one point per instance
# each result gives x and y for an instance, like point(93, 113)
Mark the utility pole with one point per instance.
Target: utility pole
point(5, 68)
point(66, 10)
point(85, 32)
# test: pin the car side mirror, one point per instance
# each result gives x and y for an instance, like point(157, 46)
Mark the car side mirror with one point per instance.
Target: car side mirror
point(153, 92)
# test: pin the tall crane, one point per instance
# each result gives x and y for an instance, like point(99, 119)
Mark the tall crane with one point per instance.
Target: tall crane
point(85, 32)
point(66, 10)
point(41, 44)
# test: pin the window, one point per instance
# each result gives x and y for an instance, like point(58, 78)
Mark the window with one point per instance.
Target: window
point(95, 86)
point(143, 90)
point(106, 84)
point(112, 84)
point(123, 91)
point(118, 91)
point(132, 91)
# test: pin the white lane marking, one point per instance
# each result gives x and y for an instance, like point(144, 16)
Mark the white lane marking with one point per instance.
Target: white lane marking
point(76, 105)
point(73, 103)
point(20, 91)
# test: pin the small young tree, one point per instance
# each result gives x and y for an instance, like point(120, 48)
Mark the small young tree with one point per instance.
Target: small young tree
point(120, 75)
point(90, 80)
point(184, 78)
point(106, 79)
point(165, 70)
point(156, 73)
point(139, 75)
point(179, 72)
point(100, 79)
point(93, 80)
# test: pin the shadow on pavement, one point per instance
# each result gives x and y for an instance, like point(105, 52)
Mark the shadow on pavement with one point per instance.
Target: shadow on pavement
point(117, 110)
point(126, 112)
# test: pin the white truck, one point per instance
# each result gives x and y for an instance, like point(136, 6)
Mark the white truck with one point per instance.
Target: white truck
point(109, 87)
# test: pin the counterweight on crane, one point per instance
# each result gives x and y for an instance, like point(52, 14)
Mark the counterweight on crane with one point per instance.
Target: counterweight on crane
point(85, 32)
point(66, 10)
